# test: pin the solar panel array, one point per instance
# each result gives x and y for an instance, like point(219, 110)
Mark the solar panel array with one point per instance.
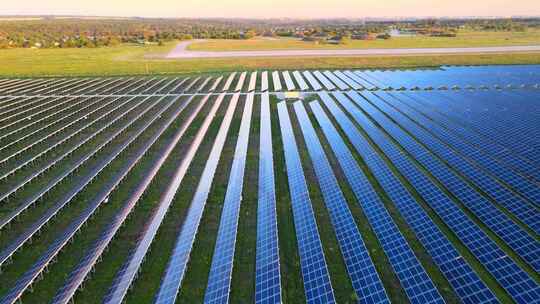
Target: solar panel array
point(317, 285)
point(364, 277)
point(267, 269)
point(219, 279)
point(442, 165)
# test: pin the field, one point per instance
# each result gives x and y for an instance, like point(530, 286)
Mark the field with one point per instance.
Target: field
point(464, 39)
point(384, 186)
point(148, 60)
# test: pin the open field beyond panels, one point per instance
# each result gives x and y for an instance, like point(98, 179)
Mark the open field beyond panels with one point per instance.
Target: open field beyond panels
point(463, 39)
point(130, 59)
point(341, 186)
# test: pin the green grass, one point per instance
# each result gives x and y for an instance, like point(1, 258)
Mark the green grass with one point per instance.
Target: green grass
point(148, 60)
point(463, 39)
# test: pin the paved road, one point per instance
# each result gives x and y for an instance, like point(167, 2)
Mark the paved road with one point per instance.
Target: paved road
point(181, 51)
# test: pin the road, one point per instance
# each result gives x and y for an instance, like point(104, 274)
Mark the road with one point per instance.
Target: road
point(181, 52)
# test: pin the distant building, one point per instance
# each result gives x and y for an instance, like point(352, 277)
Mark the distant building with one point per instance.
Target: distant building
point(363, 36)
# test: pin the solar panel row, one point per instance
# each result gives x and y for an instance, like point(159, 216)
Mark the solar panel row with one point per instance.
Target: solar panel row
point(509, 275)
point(174, 274)
point(365, 279)
point(461, 276)
point(412, 276)
point(219, 280)
point(317, 285)
point(503, 172)
point(83, 268)
point(24, 237)
point(493, 148)
point(126, 275)
point(29, 276)
point(21, 164)
point(502, 195)
point(518, 239)
point(267, 269)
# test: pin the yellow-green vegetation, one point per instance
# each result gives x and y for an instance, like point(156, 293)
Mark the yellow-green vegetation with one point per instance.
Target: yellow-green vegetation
point(130, 59)
point(463, 39)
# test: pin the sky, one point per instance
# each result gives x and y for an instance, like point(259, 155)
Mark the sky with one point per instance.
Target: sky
point(272, 8)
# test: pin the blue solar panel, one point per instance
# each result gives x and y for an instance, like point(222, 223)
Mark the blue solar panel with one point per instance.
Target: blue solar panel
point(509, 275)
point(276, 81)
point(365, 279)
point(317, 285)
point(487, 126)
point(338, 82)
point(228, 82)
point(240, 83)
point(288, 81)
point(353, 84)
point(312, 81)
point(482, 157)
point(414, 279)
point(325, 82)
point(501, 194)
point(300, 80)
point(462, 278)
point(219, 280)
point(91, 257)
point(52, 251)
point(493, 148)
point(267, 270)
point(516, 237)
point(264, 81)
point(170, 285)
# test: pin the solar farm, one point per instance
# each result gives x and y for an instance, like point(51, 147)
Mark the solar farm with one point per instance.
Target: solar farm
point(342, 186)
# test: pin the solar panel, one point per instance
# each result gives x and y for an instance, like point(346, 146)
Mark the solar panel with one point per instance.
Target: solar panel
point(277, 81)
point(517, 238)
point(317, 285)
point(340, 84)
point(74, 107)
point(204, 84)
point(191, 85)
point(17, 166)
point(353, 84)
point(267, 269)
point(264, 81)
point(460, 275)
point(125, 276)
point(177, 89)
point(219, 279)
point(240, 83)
point(81, 271)
point(364, 277)
point(325, 82)
point(38, 267)
point(288, 81)
point(24, 237)
point(165, 88)
point(312, 81)
point(176, 269)
point(412, 276)
point(493, 148)
point(300, 80)
point(216, 84)
point(252, 82)
point(499, 193)
point(228, 82)
point(485, 250)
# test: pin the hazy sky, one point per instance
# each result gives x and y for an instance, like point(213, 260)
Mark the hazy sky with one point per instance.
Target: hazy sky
point(272, 8)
